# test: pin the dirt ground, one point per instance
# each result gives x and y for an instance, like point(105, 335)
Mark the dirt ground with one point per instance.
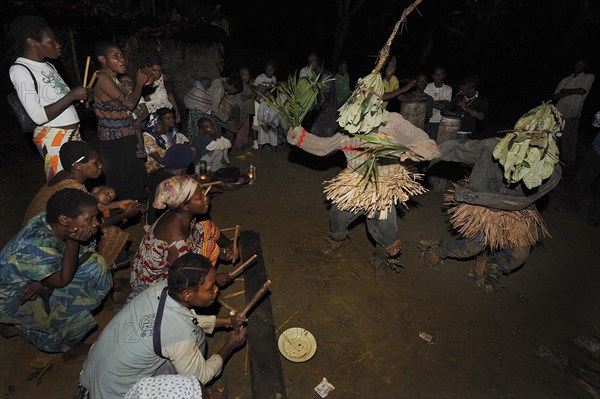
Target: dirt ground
point(367, 334)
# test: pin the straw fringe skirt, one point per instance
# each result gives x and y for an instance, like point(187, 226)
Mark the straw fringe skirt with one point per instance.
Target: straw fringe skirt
point(496, 229)
point(350, 193)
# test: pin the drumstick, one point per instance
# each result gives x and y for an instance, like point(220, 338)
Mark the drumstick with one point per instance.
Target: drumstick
point(240, 269)
point(87, 68)
point(207, 190)
point(256, 298)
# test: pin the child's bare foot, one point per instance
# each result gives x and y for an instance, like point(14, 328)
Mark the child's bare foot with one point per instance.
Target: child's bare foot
point(78, 354)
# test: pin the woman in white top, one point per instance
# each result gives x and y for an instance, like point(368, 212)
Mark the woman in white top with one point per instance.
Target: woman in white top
point(43, 92)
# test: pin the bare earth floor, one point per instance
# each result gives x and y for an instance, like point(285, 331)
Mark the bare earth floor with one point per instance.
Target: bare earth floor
point(368, 334)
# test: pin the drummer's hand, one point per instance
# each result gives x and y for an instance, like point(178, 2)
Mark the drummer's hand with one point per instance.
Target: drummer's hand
point(239, 320)
point(229, 253)
point(223, 279)
point(236, 339)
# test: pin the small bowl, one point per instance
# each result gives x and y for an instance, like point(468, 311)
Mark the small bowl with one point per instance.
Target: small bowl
point(297, 344)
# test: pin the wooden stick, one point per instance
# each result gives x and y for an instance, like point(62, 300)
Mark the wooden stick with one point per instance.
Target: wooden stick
point(87, 68)
point(256, 298)
point(233, 295)
point(236, 235)
point(92, 80)
point(235, 240)
point(288, 320)
point(228, 307)
point(207, 190)
point(246, 356)
point(212, 183)
point(240, 269)
point(228, 229)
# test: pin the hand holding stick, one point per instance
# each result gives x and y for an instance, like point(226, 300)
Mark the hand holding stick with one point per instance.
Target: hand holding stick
point(256, 298)
point(240, 269)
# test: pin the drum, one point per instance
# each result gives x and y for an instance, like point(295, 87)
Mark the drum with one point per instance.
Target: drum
point(414, 112)
point(448, 129)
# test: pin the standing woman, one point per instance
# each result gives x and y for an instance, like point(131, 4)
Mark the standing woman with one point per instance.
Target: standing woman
point(44, 94)
point(113, 105)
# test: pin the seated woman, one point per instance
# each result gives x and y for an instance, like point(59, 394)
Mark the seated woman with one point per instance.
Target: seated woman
point(53, 251)
point(168, 337)
point(159, 137)
point(81, 162)
point(178, 232)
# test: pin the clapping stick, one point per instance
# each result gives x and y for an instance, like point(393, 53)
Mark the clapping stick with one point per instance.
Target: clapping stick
point(256, 298)
point(87, 68)
point(240, 269)
point(92, 80)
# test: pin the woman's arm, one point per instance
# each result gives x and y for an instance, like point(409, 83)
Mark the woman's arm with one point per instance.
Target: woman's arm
point(70, 260)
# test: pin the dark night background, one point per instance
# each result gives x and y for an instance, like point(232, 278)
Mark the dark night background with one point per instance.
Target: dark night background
point(520, 49)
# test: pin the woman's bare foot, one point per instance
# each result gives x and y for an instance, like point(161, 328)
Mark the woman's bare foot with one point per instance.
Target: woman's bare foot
point(78, 354)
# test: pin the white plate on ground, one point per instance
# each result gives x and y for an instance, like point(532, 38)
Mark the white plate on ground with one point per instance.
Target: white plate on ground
point(297, 344)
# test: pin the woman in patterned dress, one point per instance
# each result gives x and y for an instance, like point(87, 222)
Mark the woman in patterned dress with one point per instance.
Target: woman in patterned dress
point(179, 231)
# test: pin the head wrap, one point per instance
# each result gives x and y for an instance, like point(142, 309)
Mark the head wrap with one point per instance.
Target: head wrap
point(153, 59)
point(174, 192)
point(177, 156)
point(171, 386)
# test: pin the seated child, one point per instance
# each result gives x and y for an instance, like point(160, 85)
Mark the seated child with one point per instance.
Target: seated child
point(105, 196)
point(139, 115)
point(209, 147)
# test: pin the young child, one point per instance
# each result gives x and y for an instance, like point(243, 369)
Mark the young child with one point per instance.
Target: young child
point(268, 124)
point(209, 147)
point(139, 115)
point(105, 196)
point(242, 137)
point(203, 83)
point(263, 82)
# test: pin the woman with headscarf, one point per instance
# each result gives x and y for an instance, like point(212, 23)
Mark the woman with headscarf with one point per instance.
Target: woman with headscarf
point(178, 232)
